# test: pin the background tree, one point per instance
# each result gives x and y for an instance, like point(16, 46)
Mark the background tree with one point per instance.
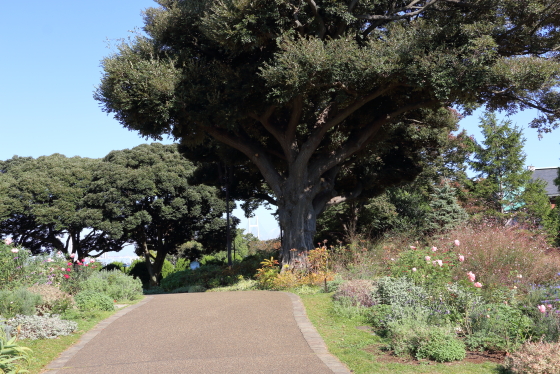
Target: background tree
point(42, 205)
point(318, 102)
point(146, 199)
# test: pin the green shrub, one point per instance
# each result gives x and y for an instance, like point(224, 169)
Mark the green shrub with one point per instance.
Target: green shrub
point(208, 276)
point(182, 264)
point(498, 327)
point(139, 270)
point(115, 284)
point(115, 265)
point(196, 288)
point(20, 301)
point(441, 346)
point(93, 300)
point(167, 268)
point(42, 327)
point(181, 290)
point(535, 358)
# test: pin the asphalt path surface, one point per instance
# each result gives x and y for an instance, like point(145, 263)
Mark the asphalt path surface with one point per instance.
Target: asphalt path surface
point(212, 332)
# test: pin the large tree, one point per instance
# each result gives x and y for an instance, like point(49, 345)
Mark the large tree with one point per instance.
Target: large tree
point(145, 198)
point(316, 102)
point(42, 206)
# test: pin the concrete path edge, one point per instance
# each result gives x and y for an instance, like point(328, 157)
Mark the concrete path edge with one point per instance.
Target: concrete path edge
point(64, 357)
point(315, 341)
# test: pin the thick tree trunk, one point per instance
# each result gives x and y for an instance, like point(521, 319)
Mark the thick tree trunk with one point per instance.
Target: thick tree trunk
point(298, 220)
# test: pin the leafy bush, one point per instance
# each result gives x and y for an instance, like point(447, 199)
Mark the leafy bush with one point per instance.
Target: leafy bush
point(41, 327)
point(93, 300)
point(184, 289)
point(139, 270)
point(535, 358)
point(196, 288)
point(116, 284)
point(441, 346)
point(400, 292)
point(115, 265)
point(208, 276)
point(20, 301)
point(357, 292)
point(12, 355)
point(53, 299)
point(498, 327)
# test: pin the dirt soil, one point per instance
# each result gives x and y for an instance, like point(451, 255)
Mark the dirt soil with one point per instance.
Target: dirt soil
point(475, 357)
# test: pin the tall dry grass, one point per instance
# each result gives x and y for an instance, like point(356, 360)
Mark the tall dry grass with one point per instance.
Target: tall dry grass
point(504, 256)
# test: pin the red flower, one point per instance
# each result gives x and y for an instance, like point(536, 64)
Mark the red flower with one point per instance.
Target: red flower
point(68, 269)
point(66, 276)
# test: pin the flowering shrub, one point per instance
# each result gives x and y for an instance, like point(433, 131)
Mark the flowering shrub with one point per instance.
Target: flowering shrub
point(41, 327)
point(504, 256)
point(426, 266)
point(54, 301)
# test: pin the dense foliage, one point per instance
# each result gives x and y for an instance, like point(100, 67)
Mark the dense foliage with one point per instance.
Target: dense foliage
point(318, 102)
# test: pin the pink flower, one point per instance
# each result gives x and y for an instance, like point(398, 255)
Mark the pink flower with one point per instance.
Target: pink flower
point(69, 264)
point(457, 242)
point(549, 306)
point(478, 284)
point(92, 260)
point(434, 249)
point(413, 269)
point(428, 258)
point(50, 259)
point(412, 247)
point(15, 250)
point(66, 276)
point(439, 262)
point(461, 258)
point(68, 269)
point(8, 241)
point(471, 276)
point(542, 308)
point(72, 255)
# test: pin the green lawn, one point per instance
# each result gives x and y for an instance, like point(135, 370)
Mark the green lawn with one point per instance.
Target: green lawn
point(352, 345)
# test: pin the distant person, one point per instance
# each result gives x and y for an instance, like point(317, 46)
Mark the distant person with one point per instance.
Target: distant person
point(195, 264)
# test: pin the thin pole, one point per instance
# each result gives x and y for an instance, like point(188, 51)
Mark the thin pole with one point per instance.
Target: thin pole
point(230, 263)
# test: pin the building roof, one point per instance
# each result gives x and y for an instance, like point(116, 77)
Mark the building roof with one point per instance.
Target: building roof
point(548, 175)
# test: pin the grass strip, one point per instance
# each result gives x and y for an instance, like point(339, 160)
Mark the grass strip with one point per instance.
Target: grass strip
point(356, 347)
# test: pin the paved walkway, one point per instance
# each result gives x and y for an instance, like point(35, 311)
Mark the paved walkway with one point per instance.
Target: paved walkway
point(214, 332)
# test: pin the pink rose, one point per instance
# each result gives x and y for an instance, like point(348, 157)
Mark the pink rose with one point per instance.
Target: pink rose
point(50, 259)
point(68, 269)
point(461, 258)
point(15, 250)
point(457, 242)
point(66, 276)
point(478, 284)
point(440, 262)
point(549, 306)
point(542, 308)
point(428, 258)
point(92, 260)
point(72, 255)
point(413, 269)
point(471, 276)
point(412, 247)
point(8, 241)
point(434, 249)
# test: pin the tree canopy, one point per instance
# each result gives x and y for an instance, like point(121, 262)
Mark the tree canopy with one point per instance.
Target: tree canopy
point(42, 205)
point(317, 102)
point(145, 198)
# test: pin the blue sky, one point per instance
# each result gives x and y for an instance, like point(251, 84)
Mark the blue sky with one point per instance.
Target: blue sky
point(50, 66)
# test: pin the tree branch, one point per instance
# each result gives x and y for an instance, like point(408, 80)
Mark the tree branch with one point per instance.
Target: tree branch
point(309, 147)
point(315, 9)
point(255, 152)
point(360, 139)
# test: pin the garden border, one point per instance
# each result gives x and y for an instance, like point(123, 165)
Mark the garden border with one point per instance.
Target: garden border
point(315, 341)
point(64, 357)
